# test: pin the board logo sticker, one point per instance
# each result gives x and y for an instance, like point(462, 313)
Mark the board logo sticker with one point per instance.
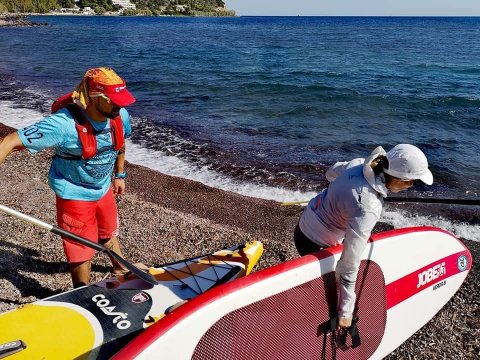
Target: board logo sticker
point(140, 298)
point(119, 318)
point(462, 263)
point(431, 274)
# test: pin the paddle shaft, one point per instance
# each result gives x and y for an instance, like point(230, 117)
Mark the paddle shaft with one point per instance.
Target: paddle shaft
point(79, 239)
point(433, 201)
point(407, 199)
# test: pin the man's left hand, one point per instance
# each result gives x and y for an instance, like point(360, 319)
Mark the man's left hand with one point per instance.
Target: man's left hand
point(118, 186)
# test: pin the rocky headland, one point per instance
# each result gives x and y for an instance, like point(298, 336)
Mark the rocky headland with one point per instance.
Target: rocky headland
point(17, 20)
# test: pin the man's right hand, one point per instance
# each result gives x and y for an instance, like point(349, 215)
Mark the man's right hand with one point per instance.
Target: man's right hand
point(8, 144)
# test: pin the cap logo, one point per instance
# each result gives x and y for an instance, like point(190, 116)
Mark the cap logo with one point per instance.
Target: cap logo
point(120, 88)
point(140, 298)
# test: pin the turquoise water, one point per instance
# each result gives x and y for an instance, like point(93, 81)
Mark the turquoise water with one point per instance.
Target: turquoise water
point(272, 100)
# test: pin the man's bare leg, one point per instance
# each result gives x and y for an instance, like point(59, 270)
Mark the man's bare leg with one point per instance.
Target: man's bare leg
point(80, 272)
point(114, 245)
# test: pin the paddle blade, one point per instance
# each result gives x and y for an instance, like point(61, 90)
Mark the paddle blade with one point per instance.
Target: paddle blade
point(132, 268)
point(291, 203)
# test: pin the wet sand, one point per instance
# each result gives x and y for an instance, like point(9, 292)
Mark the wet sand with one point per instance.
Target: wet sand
point(165, 218)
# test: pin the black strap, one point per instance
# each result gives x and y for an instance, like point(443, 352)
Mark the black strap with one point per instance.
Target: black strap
point(65, 157)
point(329, 329)
point(76, 157)
point(80, 118)
point(77, 113)
point(353, 330)
point(339, 337)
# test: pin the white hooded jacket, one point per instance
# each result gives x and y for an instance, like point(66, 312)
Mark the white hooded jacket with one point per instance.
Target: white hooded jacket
point(346, 212)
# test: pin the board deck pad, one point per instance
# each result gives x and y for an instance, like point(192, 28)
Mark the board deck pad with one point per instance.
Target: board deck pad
point(306, 310)
point(96, 321)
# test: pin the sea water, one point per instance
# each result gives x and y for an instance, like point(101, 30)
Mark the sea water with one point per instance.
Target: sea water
point(264, 105)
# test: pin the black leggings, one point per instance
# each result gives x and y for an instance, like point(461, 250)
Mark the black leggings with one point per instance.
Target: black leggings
point(303, 244)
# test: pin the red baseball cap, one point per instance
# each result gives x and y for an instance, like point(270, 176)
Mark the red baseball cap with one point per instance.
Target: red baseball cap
point(105, 81)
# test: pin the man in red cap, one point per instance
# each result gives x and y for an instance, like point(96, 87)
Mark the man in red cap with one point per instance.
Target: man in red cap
point(87, 129)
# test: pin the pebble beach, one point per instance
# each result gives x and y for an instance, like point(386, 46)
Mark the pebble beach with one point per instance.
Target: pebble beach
point(165, 218)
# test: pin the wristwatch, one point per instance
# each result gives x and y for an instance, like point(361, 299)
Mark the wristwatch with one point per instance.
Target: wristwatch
point(121, 175)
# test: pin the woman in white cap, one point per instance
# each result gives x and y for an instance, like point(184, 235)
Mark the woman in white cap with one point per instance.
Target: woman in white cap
point(349, 208)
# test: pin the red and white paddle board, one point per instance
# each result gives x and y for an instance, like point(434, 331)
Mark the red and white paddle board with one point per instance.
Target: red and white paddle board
point(406, 276)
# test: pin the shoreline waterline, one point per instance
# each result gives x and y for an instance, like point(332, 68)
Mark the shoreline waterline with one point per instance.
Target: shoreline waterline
point(465, 224)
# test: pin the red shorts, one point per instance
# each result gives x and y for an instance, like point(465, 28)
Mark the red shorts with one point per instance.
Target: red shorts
point(93, 220)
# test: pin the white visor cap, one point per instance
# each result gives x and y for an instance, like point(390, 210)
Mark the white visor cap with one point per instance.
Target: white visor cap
point(407, 162)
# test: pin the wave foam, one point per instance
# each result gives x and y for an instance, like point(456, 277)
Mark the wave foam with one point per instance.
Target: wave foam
point(20, 117)
point(156, 160)
point(174, 166)
point(17, 117)
point(402, 218)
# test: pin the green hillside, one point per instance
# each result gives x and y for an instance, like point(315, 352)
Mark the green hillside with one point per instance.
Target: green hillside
point(144, 7)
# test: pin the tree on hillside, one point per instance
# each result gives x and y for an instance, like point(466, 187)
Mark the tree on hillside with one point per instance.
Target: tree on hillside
point(27, 6)
point(99, 10)
point(67, 4)
point(44, 6)
point(17, 6)
point(202, 5)
point(105, 4)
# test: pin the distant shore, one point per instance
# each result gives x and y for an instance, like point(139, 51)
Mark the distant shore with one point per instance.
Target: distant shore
point(20, 20)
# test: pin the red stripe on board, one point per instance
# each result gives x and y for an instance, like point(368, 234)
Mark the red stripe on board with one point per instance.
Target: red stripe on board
point(411, 284)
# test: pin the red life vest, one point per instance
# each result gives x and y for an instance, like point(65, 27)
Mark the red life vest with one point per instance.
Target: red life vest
point(85, 130)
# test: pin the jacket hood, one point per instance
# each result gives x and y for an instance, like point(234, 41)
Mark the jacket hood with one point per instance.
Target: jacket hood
point(376, 182)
